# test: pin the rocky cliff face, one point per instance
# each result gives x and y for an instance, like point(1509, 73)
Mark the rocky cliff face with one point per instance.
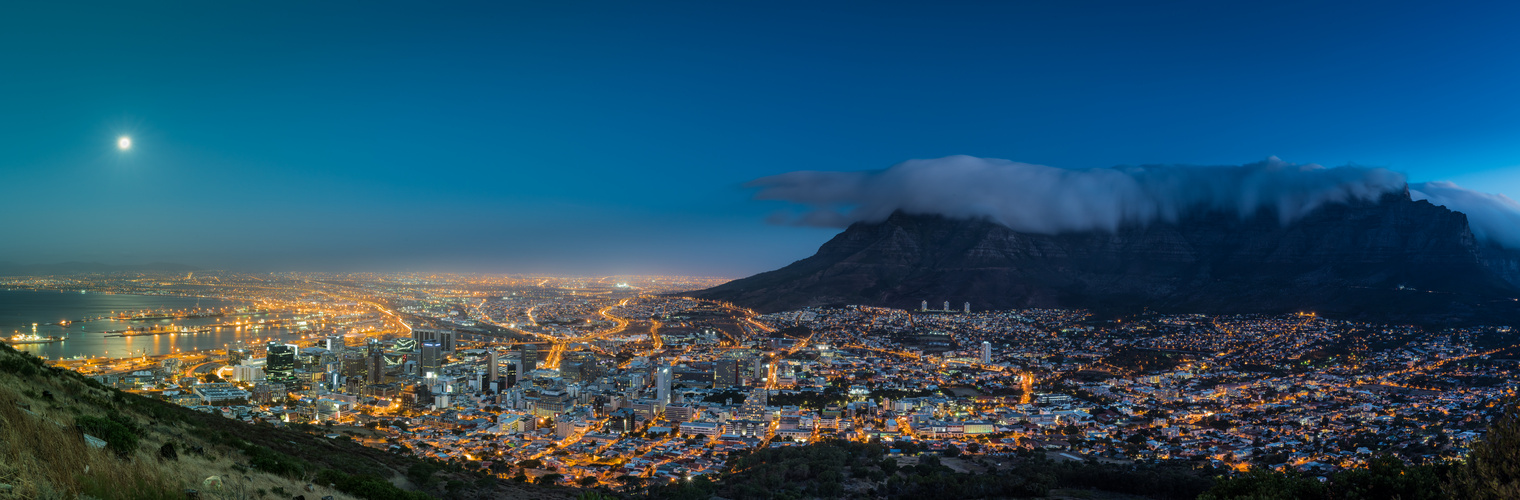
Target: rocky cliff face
point(1395, 259)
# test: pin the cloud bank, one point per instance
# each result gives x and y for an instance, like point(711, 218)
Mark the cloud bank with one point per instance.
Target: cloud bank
point(1050, 200)
point(1492, 217)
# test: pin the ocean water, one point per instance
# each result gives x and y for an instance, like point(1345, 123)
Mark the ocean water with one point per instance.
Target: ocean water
point(20, 308)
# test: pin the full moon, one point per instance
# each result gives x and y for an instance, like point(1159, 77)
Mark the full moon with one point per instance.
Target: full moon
point(124, 143)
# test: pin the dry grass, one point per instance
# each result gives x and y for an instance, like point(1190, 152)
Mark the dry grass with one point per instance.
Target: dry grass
point(43, 456)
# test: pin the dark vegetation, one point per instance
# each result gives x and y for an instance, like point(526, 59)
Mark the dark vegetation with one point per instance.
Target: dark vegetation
point(1491, 472)
point(842, 469)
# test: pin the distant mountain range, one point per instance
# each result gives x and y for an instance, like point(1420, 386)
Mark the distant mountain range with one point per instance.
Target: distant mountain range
point(1391, 260)
point(63, 268)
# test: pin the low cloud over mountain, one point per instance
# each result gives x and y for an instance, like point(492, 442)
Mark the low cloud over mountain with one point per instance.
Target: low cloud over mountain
point(1049, 200)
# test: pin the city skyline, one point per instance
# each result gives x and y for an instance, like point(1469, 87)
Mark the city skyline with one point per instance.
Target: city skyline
point(607, 139)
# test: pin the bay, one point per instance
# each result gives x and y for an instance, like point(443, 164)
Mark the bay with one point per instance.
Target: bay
point(19, 309)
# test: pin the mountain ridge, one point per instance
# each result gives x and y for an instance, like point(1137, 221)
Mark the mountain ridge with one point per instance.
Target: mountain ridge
point(79, 267)
point(1390, 259)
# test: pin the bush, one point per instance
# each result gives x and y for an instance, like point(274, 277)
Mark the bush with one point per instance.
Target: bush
point(421, 473)
point(271, 461)
point(367, 487)
point(118, 436)
point(20, 365)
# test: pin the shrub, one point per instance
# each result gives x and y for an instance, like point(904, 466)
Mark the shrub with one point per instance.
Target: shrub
point(118, 436)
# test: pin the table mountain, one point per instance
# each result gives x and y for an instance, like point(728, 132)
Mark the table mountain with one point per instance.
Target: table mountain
point(1392, 259)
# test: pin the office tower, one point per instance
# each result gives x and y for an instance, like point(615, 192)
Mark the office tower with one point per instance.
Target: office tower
point(333, 343)
point(280, 363)
point(726, 373)
point(375, 366)
point(444, 338)
point(968, 308)
point(353, 364)
point(431, 358)
point(662, 383)
point(924, 307)
point(492, 361)
point(986, 353)
point(947, 306)
point(529, 358)
point(406, 345)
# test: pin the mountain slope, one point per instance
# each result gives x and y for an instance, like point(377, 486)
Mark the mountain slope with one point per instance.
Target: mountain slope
point(1391, 259)
point(46, 412)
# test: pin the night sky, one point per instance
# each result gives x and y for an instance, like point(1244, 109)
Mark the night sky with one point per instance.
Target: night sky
point(601, 138)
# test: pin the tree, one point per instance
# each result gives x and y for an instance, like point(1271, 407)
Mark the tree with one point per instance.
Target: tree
point(549, 479)
point(1265, 484)
point(1492, 469)
point(630, 482)
point(1388, 477)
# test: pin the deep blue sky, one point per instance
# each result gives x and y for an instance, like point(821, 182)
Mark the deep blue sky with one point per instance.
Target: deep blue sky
point(615, 137)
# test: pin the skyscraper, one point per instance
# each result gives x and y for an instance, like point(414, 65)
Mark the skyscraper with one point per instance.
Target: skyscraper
point(444, 338)
point(406, 345)
point(432, 356)
point(353, 364)
point(662, 383)
point(529, 358)
point(333, 343)
point(375, 366)
point(492, 362)
point(986, 353)
point(726, 373)
point(280, 363)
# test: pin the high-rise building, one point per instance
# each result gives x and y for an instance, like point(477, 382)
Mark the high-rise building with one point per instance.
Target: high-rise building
point(353, 364)
point(492, 362)
point(968, 308)
point(924, 307)
point(529, 358)
point(333, 343)
point(947, 306)
point(986, 353)
point(375, 366)
point(406, 345)
point(726, 373)
point(431, 358)
point(662, 383)
point(444, 338)
point(280, 362)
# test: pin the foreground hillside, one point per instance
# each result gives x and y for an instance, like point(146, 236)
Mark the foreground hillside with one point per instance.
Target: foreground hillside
point(149, 449)
point(842, 469)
